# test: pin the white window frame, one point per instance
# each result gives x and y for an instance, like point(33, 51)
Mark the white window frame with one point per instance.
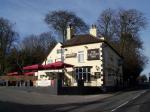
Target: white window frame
point(80, 54)
point(78, 73)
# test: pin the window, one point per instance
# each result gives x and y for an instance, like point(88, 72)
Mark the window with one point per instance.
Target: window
point(83, 74)
point(43, 76)
point(49, 61)
point(59, 51)
point(80, 56)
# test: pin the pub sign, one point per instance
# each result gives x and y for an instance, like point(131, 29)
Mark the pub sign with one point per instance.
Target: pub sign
point(93, 54)
point(72, 55)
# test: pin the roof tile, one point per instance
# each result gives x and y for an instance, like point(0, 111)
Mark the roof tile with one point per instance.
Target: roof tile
point(81, 40)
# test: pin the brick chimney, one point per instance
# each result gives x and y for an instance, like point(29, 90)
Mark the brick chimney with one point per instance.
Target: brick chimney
point(70, 32)
point(93, 30)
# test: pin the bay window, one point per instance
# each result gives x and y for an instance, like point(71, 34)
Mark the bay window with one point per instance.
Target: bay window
point(83, 73)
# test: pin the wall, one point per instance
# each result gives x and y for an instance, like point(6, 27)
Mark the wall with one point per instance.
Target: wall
point(53, 56)
point(79, 90)
point(95, 64)
point(112, 69)
point(106, 65)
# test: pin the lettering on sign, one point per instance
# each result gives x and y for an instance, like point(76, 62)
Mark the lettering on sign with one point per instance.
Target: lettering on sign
point(93, 54)
point(72, 55)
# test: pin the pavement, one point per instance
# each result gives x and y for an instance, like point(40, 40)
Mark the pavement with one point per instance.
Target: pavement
point(36, 98)
point(12, 100)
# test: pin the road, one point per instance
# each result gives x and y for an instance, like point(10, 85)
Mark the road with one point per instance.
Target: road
point(137, 104)
point(12, 100)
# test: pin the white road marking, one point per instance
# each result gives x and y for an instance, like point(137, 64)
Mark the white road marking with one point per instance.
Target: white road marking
point(143, 91)
point(120, 106)
point(136, 96)
point(128, 101)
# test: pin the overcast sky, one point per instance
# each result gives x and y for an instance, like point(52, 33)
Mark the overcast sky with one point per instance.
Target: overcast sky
point(28, 15)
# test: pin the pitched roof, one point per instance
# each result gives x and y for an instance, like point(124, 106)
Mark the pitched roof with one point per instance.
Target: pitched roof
point(86, 39)
point(81, 40)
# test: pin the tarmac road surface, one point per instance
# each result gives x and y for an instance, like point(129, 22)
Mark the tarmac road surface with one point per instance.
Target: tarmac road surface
point(12, 100)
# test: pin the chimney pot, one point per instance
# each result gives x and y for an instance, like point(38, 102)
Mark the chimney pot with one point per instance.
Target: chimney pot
point(93, 30)
point(70, 31)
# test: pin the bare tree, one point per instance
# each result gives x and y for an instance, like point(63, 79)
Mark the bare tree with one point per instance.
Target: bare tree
point(122, 29)
point(7, 38)
point(106, 24)
point(14, 60)
point(47, 41)
point(130, 21)
point(59, 20)
point(35, 48)
point(143, 78)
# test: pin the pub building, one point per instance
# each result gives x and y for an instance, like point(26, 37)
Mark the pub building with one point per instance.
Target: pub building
point(95, 62)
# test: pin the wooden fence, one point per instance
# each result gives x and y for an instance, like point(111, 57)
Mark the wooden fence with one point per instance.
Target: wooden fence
point(18, 78)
